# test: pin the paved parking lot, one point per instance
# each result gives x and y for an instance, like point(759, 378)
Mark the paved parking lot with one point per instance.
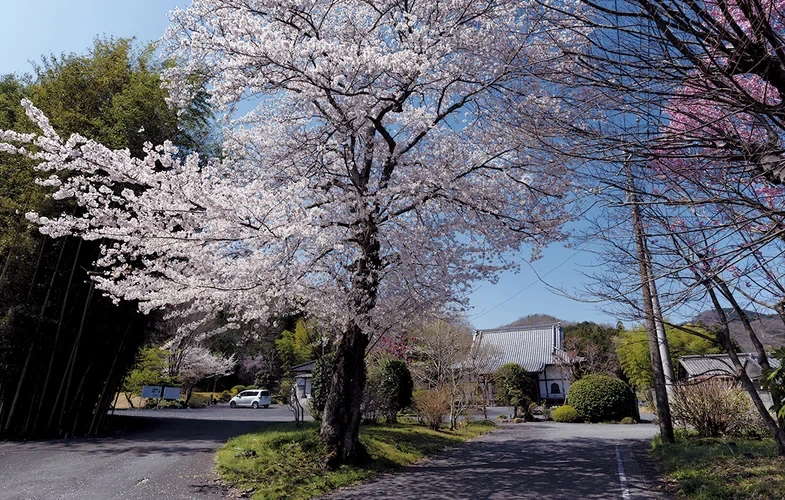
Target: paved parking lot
point(160, 454)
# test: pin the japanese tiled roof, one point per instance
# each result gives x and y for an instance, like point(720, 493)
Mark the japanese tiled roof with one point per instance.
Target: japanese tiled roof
point(531, 347)
point(303, 368)
point(720, 364)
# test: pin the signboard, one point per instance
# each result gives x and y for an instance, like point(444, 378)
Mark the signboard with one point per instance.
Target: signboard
point(171, 393)
point(151, 391)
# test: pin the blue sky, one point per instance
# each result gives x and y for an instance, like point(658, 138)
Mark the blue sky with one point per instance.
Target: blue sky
point(37, 27)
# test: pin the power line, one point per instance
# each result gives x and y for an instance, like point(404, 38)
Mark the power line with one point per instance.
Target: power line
point(539, 278)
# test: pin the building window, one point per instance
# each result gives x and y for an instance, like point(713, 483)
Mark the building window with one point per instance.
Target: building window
point(555, 388)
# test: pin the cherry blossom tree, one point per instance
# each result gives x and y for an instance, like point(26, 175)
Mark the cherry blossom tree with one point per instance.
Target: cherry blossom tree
point(196, 363)
point(398, 151)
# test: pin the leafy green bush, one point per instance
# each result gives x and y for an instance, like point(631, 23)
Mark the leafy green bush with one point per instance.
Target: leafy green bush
point(774, 381)
point(395, 388)
point(226, 396)
point(249, 387)
point(321, 379)
point(166, 405)
point(234, 391)
point(515, 387)
point(565, 413)
point(600, 398)
point(198, 401)
point(628, 420)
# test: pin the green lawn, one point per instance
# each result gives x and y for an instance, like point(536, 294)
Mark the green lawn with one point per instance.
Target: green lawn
point(714, 469)
point(284, 462)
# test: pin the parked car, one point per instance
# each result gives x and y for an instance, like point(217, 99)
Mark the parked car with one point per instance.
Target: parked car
point(254, 399)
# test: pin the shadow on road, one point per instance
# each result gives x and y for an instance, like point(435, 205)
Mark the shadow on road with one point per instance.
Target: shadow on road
point(503, 465)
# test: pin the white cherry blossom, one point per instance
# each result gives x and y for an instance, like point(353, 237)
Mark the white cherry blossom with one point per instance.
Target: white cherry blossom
point(399, 152)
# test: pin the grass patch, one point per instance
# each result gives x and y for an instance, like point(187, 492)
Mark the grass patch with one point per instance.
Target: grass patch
point(720, 469)
point(282, 461)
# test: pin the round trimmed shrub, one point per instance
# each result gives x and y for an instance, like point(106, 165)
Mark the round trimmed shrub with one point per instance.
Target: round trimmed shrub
point(601, 398)
point(628, 420)
point(565, 413)
point(198, 401)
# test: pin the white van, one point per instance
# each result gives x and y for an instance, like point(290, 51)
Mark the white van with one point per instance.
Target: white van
point(253, 398)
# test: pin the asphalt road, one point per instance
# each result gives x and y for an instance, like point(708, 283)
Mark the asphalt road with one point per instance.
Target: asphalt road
point(151, 454)
point(540, 460)
point(169, 454)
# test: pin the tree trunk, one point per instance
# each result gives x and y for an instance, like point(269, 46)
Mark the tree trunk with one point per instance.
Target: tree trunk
point(779, 438)
point(31, 348)
point(776, 425)
point(341, 420)
point(483, 390)
point(107, 383)
point(60, 321)
point(128, 397)
point(54, 344)
point(65, 384)
point(189, 390)
point(6, 265)
point(18, 392)
point(37, 269)
point(340, 429)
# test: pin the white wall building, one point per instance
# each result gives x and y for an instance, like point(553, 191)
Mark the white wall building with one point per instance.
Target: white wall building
point(535, 348)
point(302, 378)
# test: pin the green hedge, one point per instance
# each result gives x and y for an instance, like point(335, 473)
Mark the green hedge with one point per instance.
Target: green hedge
point(198, 401)
point(601, 398)
point(565, 413)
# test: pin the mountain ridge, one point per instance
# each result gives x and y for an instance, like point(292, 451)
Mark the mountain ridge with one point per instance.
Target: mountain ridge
point(768, 327)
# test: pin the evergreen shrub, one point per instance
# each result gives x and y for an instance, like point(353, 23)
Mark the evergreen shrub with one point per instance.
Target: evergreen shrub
point(565, 413)
point(600, 398)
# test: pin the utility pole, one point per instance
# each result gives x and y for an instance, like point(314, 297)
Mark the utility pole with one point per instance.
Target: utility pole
point(662, 339)
point(644, 266)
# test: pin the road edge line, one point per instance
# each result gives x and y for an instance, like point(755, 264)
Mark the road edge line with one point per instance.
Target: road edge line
point(625, 491)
